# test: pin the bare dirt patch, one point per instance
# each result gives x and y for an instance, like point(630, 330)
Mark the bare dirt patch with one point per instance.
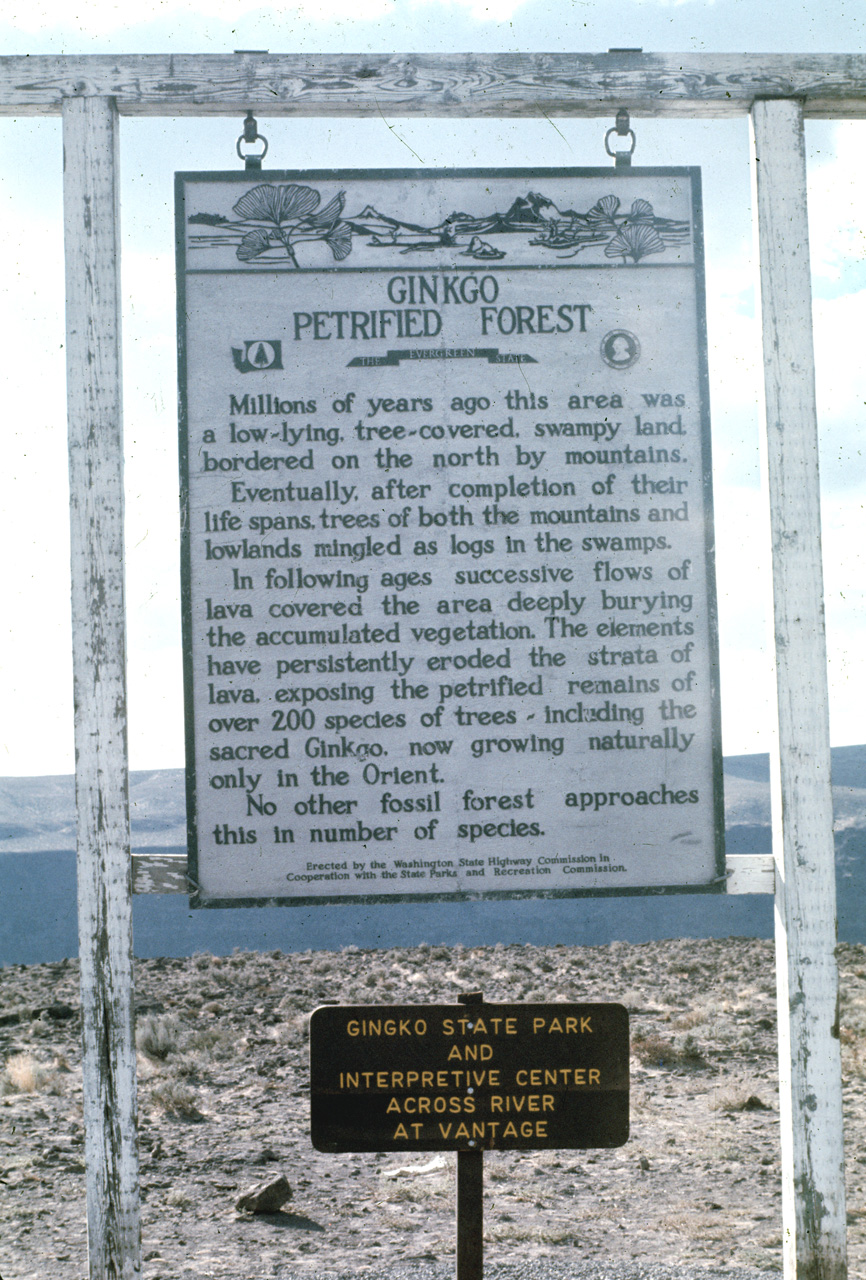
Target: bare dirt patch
point(223, 1103)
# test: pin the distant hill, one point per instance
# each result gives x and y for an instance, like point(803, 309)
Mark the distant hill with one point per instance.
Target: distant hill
point(39, 813)
point(37, 883)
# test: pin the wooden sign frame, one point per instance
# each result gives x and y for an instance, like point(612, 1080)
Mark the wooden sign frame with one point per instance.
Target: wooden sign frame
point(776, 92)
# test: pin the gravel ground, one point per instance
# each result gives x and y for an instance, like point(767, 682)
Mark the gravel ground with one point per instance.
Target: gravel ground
point(224, 1104)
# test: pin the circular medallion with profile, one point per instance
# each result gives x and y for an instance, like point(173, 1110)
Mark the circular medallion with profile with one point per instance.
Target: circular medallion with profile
point(620, 349)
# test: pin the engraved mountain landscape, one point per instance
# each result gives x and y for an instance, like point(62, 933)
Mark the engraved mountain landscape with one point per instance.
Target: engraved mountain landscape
point(273, 218)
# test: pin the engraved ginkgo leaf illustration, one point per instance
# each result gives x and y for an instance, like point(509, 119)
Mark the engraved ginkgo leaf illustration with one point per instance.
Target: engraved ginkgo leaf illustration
point(287, 216)
point(635, 242)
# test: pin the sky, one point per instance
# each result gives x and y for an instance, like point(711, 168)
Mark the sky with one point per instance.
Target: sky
point(35, 645)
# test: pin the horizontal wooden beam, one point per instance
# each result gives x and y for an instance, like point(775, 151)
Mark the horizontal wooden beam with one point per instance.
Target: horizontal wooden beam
point(750, 873)
point(459, 84)
point(155, 872)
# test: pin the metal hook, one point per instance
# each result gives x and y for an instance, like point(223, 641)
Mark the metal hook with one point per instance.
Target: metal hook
point(251, 134)
point(622, 129)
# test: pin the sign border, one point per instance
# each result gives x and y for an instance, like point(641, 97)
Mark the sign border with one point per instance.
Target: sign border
point(718, 883)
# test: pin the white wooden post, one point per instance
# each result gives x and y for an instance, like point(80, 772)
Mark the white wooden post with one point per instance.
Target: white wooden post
point(93, 362)
point(813, 1179)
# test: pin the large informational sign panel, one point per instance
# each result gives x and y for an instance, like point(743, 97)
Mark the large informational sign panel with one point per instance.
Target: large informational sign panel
point(463, 1077)
point(449, 608)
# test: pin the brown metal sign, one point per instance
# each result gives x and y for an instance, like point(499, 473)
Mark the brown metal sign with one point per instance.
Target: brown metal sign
point(463, 1078)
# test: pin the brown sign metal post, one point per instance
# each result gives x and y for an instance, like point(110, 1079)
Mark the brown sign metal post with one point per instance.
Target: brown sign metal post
point(470, 1215)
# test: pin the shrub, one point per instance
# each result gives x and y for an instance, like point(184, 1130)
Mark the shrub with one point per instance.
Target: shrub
point(158, 1037)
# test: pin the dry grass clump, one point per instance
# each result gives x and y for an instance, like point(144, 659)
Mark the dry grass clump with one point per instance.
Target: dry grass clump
point(176, 1099)
point(213, 1043)
point(23, 1074)
point(179, 1199)
point(741, 1099)
point(692, 1018)
point(165, 1037)
point(654, 1050)
point(158, 1037)
point(171, 1054)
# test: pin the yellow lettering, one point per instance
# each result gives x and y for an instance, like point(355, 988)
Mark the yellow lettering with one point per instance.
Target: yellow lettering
point(594, 1076)
point(381, 1079)
point(426, 1079)
point(480, 1027)
point(585, 1024)
point(511, 1026)
point(555, 1025)
point(447, 1030)
point(454, 1052)
point(352, 1028)
point(390, 1027)
point(541, 1128)
point(423, 1106)
point(521, 1077)
point(461, 1131)
point(547, 1102)
point(445, 1129)
point(571, 1026)
point(495, 1102)
point(393, 1105)
point(509, 1131)
point(537, 1025)
point(400, 1132)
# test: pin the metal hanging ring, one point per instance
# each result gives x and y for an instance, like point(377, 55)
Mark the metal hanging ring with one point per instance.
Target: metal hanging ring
point(623, 152)
point(258, 138)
